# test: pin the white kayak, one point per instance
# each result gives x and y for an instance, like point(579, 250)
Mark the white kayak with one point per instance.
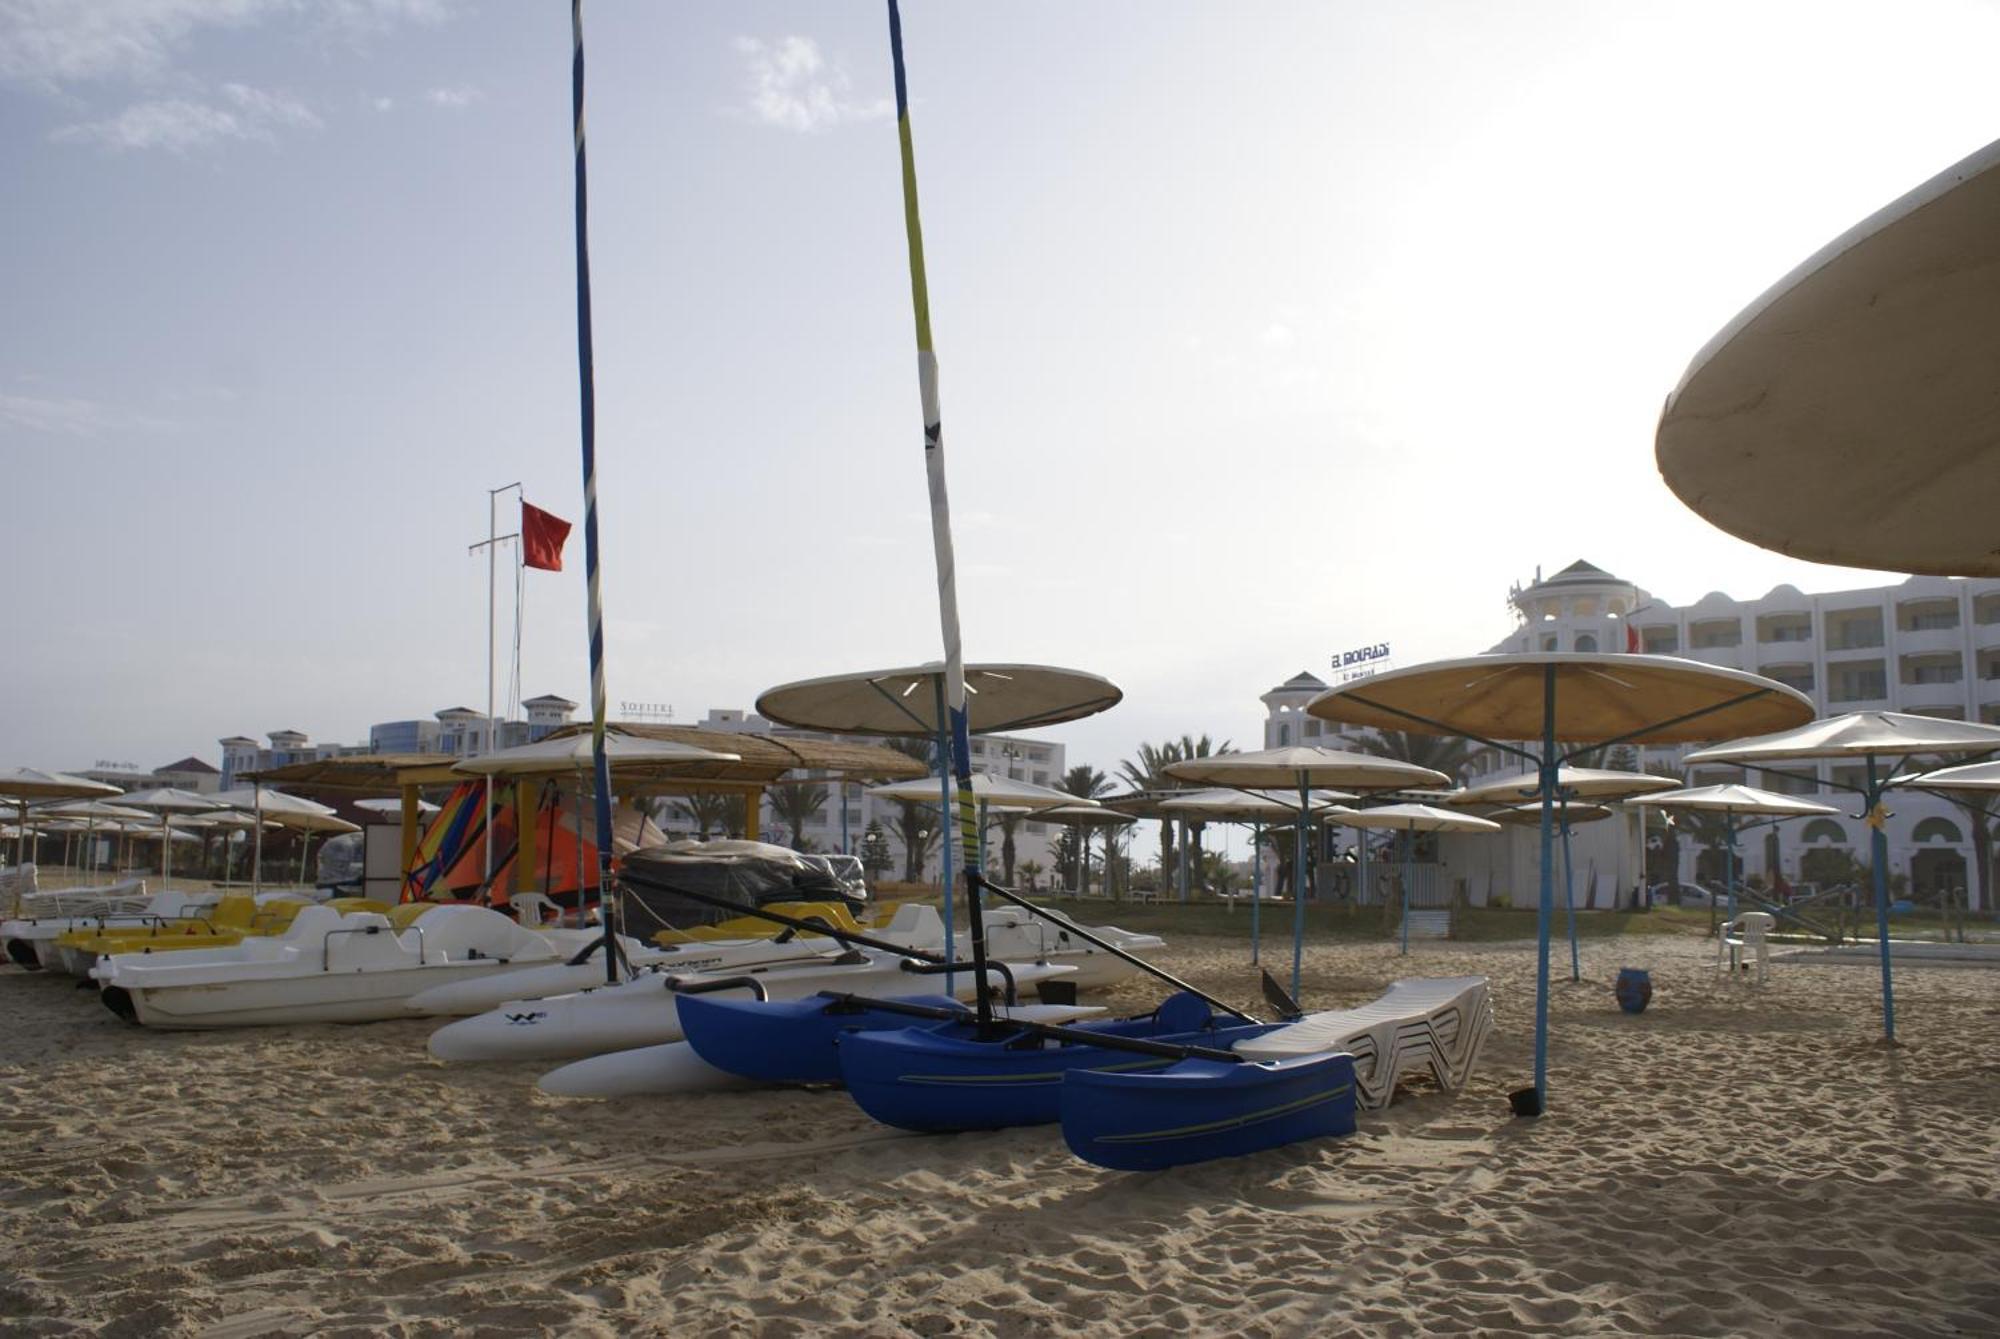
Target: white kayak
point(460, 998)
point(642, 1012)
point(673, 1068)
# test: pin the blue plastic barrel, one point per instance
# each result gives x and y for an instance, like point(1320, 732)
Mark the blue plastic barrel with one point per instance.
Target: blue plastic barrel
point(1634, 989)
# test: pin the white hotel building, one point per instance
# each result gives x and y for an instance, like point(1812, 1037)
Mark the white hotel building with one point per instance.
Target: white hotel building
point(1928, 646)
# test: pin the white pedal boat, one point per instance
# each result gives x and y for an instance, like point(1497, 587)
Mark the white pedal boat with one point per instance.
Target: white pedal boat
point(461, 998)
point(325, 968)
point(1015, 934)
point(30, 940)
point(641, 1012)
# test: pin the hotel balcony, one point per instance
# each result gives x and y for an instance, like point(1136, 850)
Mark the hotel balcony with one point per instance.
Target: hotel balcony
point(1863, 649)
point(1729, 657)
point(1930, 640)
point(1912, 696)
point(1986, 636)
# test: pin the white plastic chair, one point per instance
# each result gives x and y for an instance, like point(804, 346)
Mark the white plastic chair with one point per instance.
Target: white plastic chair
point(1748, 932)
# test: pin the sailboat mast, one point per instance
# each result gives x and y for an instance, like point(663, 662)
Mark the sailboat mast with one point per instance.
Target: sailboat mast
point(941, 543)
point(587, 387)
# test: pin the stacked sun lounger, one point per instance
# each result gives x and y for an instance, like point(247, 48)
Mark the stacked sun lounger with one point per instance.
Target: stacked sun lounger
point(1433, 1024)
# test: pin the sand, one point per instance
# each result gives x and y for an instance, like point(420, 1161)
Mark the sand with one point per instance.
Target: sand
point(1734, 1161)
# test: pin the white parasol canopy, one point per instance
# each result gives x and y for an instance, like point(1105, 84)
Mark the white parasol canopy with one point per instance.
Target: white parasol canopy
point(21, 784)
point(1848, 414)
point(1858, 734)
point(998, 699)
point(1593, 783)
point(997, 793)
point(1303, 766)
point(1530, 815)
point(1967, 776)
point(1411, 818)
point(1735, 799)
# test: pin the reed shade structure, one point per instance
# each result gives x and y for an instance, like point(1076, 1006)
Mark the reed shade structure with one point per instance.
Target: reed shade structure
point(1410, 819)
point(1255, 807)
point(910, 703)
point(1734, 801)
point(1572, 783)
point(1848, 415)
point(574, 755)
point(275, 808)
point(1556, 698)
point(166, 802)
point(1081, 816)
point(1302, 767)
point(1874, 738)
point(22, 784)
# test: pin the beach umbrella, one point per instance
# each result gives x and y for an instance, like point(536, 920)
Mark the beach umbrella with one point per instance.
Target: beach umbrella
point(1587, 700)
point(993, 794)
point(1568, 815)
point(1734, 801)
point(274, 808)
point(1872, 738)
point(1080, 817)
point(1302, 767)
point(1410, 819)
point(1572, 783)
point(164, 802)
point(1847, 415)
point(910, 702)
point(21, 784)
point(1255, 807)
point(93, 813)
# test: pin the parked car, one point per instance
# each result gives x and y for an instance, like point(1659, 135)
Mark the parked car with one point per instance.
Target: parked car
point(1683, 894)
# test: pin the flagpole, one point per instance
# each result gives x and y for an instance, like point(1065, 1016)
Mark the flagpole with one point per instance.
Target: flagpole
point(587, 405)
point(954, 655)
point(492, 547)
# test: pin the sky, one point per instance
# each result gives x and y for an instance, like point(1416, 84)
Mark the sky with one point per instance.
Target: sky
point(1265, 331)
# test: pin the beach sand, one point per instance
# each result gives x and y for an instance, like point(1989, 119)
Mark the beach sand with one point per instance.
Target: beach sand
point(1733, 1161)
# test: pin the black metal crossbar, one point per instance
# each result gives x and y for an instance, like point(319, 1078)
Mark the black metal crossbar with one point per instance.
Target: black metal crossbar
point(1079, 1036)
point(980, 882)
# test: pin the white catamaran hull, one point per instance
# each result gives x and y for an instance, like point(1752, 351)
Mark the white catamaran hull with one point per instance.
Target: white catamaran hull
point(462, 998)
point(643, 1013)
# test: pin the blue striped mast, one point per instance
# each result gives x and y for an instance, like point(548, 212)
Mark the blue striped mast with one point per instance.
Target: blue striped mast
point(953, 686)
point(587, 385)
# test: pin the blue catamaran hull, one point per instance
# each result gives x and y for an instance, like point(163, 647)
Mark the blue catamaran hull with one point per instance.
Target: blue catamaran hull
point(949, 1078)
point(1196, 1110)
point(786, 1041)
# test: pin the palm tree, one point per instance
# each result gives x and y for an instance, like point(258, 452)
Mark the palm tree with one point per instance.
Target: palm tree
point(705, 809)
point(1441, 753)
point(795, 804)
point(916, 827)
point(1089, 783)
point(1190, 747)
point(1148, 772)
point(875, 857)
point(1009, 825)
point(1031, 870)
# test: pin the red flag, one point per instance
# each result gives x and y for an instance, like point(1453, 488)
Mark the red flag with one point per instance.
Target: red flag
point(542, 538)
point(1631, 639)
